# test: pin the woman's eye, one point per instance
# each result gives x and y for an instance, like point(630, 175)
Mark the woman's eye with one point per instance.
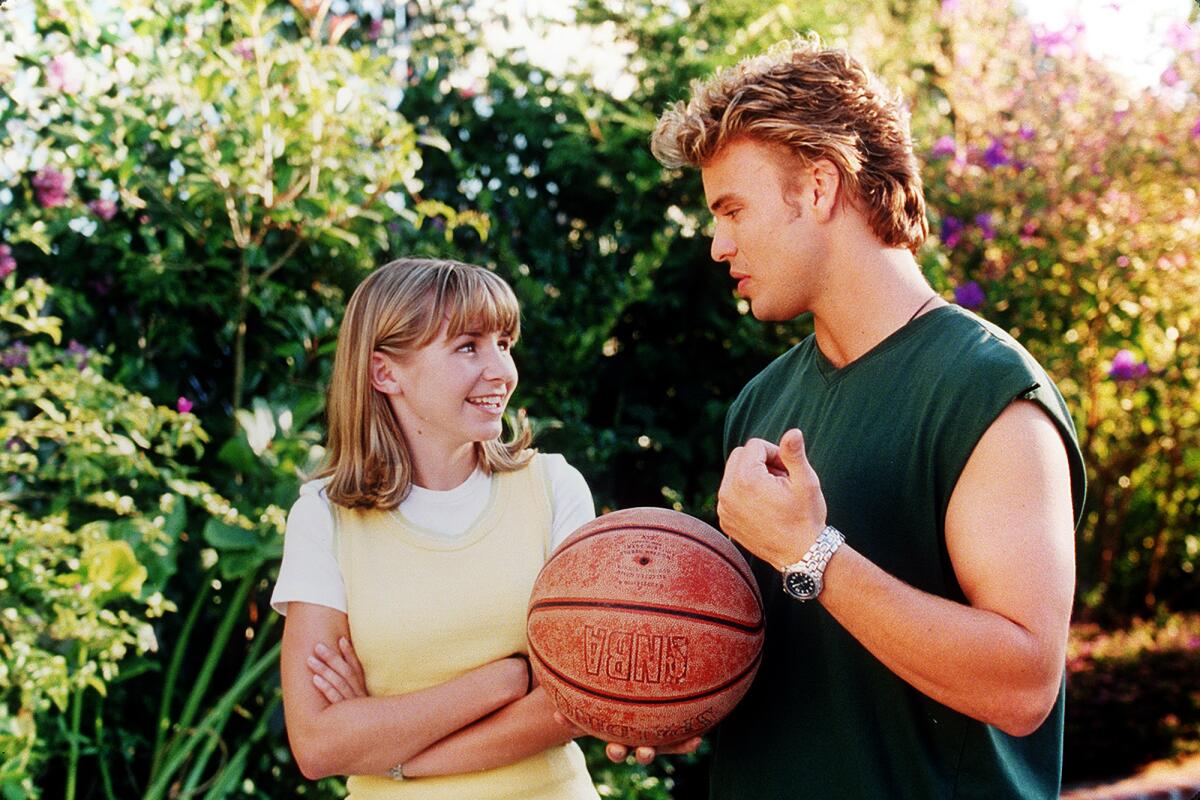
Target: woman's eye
point(469, 347)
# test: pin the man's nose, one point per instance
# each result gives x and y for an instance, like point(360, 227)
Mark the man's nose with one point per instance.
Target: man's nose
point(723, 247)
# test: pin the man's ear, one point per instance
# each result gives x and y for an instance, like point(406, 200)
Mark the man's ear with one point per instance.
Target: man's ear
point(385, 374)
point(822, 188)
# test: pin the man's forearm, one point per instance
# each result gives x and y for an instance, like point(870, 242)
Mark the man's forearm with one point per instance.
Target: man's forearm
point(973, 660)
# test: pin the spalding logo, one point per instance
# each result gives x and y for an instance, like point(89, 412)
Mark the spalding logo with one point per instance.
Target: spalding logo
point(626, 656)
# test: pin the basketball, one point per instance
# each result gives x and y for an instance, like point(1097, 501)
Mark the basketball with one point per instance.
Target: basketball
point(645, 627)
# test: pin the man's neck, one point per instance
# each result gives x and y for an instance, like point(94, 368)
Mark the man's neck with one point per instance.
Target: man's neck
point(871, 294)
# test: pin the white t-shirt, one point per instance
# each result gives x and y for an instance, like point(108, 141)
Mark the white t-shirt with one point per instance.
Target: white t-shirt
point(309, 571)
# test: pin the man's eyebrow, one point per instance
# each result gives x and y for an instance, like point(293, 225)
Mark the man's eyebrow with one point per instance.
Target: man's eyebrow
point(716, 205)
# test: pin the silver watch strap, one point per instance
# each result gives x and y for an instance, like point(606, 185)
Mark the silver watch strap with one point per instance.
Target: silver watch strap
point(827, 543)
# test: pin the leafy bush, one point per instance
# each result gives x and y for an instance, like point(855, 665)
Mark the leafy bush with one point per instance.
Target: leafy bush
point(89, 519)
point(1066, 210)
point(1132, 696)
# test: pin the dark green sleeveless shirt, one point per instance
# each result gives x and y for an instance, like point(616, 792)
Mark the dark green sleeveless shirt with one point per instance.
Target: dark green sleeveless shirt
point(888, 436)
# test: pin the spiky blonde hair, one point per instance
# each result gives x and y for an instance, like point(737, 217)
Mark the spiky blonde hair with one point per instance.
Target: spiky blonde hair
point(815, 103)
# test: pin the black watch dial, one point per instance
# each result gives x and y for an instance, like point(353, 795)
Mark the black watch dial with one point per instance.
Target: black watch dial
point(801, 585)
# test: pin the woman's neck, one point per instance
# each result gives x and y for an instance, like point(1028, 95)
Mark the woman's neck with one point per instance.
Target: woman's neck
point(444, 471)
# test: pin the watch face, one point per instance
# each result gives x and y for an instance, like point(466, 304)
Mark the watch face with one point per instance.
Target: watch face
point(802, 585)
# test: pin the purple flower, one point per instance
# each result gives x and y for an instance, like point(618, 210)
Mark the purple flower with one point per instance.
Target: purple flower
point(995, 156)
point(104, 209)
point(952, 228)
point(949, 6)
point(970, 295)
point(7, 262)
point(65, 73)
point(243, 49)
point(183, 405)
point(1026, 132)
point(1196, 129)
point(1125, 367)
point(50, 186)
point(984, 221)
point(374, 31)
point(15, 356)
point(80, 352)
point(1170, 76)
point(945, 146)
point(14, 445)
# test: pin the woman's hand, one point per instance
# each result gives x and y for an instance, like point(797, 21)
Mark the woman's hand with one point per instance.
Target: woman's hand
point(337, 675)
point(645, 754)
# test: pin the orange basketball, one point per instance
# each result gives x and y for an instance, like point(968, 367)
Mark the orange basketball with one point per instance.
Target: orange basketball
point(645, 627)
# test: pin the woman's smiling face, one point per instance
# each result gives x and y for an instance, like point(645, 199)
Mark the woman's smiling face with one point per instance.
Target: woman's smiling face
point(453, 391)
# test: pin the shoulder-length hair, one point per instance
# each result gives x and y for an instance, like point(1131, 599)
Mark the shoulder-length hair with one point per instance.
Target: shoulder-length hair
point(399, 308)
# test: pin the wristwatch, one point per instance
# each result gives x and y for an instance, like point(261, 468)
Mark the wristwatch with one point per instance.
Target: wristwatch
point(804, 579)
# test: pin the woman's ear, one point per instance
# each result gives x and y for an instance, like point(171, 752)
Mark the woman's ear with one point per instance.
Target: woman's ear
point(385, 374)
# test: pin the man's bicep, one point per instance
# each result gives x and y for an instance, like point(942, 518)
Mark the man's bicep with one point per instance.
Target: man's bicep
point(1010, 523)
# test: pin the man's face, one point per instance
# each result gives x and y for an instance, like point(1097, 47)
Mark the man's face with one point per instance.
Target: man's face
point(761, 229)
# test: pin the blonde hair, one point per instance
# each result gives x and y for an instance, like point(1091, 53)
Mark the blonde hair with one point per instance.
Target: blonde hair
point(817, 103)
point(399, 308)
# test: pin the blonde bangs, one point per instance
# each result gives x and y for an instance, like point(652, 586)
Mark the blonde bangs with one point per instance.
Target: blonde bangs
point(479, 302)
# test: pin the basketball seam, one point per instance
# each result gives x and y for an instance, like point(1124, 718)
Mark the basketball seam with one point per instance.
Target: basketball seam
point(637, 701)
point(671, 611)
point(749, 579)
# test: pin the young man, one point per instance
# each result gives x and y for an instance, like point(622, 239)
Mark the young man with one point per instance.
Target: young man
point(907, 480)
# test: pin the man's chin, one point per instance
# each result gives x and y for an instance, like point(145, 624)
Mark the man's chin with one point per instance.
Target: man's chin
point(764, 312)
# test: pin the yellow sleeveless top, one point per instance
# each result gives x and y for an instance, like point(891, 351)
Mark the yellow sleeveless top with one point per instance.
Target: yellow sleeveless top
point(424, 609)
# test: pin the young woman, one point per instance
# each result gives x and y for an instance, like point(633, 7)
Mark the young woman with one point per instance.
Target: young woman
point(419, 541)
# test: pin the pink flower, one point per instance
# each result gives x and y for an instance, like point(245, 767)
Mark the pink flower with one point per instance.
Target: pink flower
point(104, 209)
point(183, 405)
point(1170, 77)
point(50, 186)
point(65, 74)
point(1181, 37)
point(945, 146)
point(7, 262)
point(1196, 129)
point(243, 49)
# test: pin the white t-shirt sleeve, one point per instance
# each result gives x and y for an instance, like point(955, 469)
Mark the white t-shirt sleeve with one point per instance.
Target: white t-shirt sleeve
point(571, 499)
point(309, 572)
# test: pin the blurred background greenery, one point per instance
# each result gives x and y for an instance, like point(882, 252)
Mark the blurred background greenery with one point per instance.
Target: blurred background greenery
point(190, 189)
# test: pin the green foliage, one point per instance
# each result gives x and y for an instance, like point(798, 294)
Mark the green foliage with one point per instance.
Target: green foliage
point(202, 183)
point(88, 528)
point(1072, 206)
